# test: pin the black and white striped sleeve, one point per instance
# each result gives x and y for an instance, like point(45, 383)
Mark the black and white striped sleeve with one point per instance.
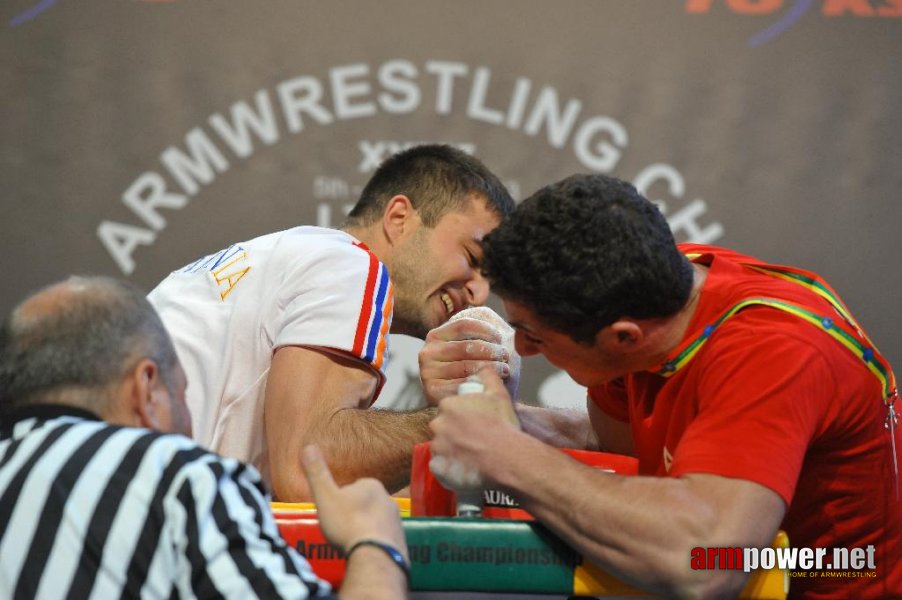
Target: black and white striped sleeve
point(229, 542)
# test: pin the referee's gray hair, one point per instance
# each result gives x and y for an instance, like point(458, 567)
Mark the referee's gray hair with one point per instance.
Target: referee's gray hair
point(80, 346)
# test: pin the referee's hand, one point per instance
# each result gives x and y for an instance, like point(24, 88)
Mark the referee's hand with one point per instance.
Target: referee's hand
point(359, 510)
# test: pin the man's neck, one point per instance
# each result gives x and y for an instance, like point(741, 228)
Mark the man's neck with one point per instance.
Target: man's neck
point(44, 411)
point(371, 238)
point(667, 334)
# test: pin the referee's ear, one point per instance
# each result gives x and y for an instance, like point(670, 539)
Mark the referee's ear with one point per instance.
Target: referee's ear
point(143, 399)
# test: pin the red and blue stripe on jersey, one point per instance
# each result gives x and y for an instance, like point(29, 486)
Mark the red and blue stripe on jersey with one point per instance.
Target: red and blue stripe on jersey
point(371, 337)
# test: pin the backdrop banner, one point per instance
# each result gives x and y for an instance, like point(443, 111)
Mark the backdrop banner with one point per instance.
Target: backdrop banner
point(140, 135)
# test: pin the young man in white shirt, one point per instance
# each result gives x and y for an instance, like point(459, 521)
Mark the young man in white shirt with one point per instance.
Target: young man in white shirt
point(284, 337)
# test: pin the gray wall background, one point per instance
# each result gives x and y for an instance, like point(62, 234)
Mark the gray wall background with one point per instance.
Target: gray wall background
point(172, 129)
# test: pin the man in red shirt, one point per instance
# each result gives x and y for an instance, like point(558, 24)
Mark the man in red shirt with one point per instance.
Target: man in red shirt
point(750, 396)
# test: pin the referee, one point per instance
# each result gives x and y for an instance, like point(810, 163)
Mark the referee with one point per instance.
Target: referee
point(95, 501)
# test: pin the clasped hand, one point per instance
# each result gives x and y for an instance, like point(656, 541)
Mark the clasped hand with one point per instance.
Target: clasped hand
point(463, 346)
point(466, 430)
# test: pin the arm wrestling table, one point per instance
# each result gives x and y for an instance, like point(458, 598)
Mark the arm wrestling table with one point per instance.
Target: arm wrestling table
point(503, 553)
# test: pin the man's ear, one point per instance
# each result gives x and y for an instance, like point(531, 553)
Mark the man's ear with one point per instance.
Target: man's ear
point(626, 335)
point(145, 383)
point(399, 218)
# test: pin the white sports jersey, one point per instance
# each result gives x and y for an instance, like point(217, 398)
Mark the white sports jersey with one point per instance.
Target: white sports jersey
point(229, 311)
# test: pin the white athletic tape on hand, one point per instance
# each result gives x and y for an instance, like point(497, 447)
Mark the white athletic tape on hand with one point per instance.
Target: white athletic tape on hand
point(506, 333)
point(454, 475)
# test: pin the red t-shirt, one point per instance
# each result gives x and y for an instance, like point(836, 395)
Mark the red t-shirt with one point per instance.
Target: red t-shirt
point(773, 399)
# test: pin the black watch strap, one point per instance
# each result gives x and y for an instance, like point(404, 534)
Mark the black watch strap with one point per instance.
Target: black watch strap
point(393, 553)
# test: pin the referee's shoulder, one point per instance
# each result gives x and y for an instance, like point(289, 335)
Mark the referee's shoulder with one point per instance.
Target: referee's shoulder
point(173, 450)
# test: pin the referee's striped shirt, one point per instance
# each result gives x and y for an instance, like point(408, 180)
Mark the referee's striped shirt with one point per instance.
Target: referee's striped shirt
point(89, 509)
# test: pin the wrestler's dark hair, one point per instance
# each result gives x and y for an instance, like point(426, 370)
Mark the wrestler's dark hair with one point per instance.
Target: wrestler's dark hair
point(437, 178)
point(75, 348)
point(585, 252)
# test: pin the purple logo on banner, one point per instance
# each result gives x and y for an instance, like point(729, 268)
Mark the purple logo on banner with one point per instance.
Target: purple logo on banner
point(42, 6)
point(796, 9)
point(795, 13)
point(31, 13)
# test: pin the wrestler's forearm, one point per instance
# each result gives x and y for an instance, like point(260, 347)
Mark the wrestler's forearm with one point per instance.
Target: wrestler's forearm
point(373, 443)
point(561, 428)
point(318, 397)
point(642, 529)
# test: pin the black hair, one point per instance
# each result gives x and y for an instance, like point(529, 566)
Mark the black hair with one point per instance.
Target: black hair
point(437, 178)
point(585, 252)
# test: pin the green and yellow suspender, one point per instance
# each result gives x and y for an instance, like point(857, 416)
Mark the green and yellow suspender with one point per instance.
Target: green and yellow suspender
point(853, 340)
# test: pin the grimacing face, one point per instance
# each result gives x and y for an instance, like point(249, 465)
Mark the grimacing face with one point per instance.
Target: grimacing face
point(436, 272)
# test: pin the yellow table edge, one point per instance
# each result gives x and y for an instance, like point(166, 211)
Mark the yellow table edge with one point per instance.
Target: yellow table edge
point(309, 508)
point(770, 584)
point(589, 580)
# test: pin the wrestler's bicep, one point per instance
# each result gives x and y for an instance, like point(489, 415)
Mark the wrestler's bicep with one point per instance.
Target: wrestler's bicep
point(306, 387)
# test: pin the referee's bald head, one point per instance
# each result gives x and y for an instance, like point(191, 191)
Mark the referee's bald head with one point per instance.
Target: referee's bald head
point(73, 341)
